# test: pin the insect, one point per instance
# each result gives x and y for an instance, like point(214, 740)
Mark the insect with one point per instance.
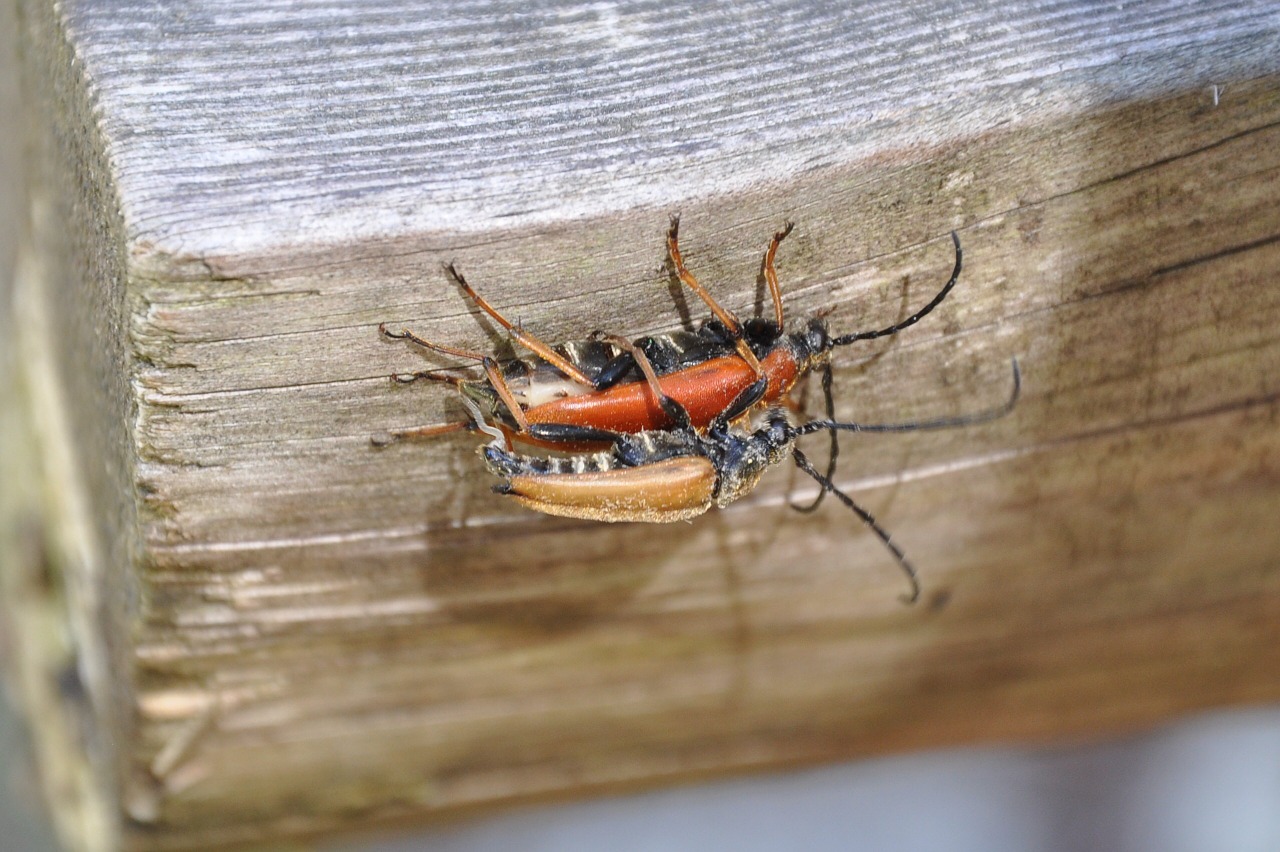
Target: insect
point(678, 473)
point(599, 383)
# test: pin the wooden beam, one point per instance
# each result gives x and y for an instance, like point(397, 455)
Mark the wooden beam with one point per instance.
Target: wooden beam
point(282, 629)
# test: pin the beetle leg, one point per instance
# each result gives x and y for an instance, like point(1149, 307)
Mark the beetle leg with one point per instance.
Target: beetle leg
point(771, 274)
point(405, 334)
point(570, 433)
point(428, 375)
point(741, 404)
point(835, 440)
point(731, 322)
point(533, 344)
point(384, 439)
point(614, 371)
point(499, 383)
point(674, 410)
point(491, 369)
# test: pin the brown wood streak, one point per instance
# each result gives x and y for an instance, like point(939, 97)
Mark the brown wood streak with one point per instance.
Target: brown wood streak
point(231, 217)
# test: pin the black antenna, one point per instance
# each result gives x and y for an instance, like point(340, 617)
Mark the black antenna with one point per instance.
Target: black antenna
point(827, 485)
point(913, 426)
point(845, 340)
point(921, 425)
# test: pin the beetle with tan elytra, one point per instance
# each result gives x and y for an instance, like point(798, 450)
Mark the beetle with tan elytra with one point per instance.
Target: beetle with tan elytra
point(598, 383)
point(675, 474)
point(657, 460)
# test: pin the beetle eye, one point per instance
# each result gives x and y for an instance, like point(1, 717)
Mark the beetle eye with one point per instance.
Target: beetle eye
point(818, 338)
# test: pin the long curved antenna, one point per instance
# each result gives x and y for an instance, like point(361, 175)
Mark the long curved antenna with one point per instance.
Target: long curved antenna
point(922, 425)
point(867, 518)
point(845, 340)
point(834, 454)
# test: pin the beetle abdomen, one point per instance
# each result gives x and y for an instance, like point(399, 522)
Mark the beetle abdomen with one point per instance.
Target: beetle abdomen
point(673, 490)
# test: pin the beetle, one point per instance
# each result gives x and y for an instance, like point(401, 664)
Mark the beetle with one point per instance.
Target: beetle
point(678, 473)
point(598, 383)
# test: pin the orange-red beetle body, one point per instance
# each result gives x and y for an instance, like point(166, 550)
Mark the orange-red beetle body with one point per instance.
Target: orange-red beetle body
point(705, 390)
point(673, 433)
point(583, 384)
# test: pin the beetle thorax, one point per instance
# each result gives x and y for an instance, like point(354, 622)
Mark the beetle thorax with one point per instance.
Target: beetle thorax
point(742, 458)
point(812, 347)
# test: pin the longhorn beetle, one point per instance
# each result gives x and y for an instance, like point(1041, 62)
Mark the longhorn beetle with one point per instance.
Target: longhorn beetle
point(599, 383)
point(678, 473)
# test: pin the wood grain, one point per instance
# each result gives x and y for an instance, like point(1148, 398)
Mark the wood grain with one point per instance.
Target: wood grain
point(235, 195)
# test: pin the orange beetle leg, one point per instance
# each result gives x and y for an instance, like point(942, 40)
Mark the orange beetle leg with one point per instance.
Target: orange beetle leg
point(387, 438)
point(533, 344)
point(725, 316)
point(771, 274)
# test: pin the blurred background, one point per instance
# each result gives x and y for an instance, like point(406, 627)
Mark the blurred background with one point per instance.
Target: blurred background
point(1210, 783)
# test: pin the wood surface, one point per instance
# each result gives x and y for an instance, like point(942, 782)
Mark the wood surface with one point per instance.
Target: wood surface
point(284, 630)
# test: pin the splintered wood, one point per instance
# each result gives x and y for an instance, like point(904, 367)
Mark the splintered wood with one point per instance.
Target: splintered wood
point(285, 629)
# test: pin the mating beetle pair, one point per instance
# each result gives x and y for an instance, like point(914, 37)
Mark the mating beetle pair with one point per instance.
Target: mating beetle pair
point(670, 416)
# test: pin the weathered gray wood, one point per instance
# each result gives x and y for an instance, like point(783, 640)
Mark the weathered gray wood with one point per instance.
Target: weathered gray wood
point(290, 631)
